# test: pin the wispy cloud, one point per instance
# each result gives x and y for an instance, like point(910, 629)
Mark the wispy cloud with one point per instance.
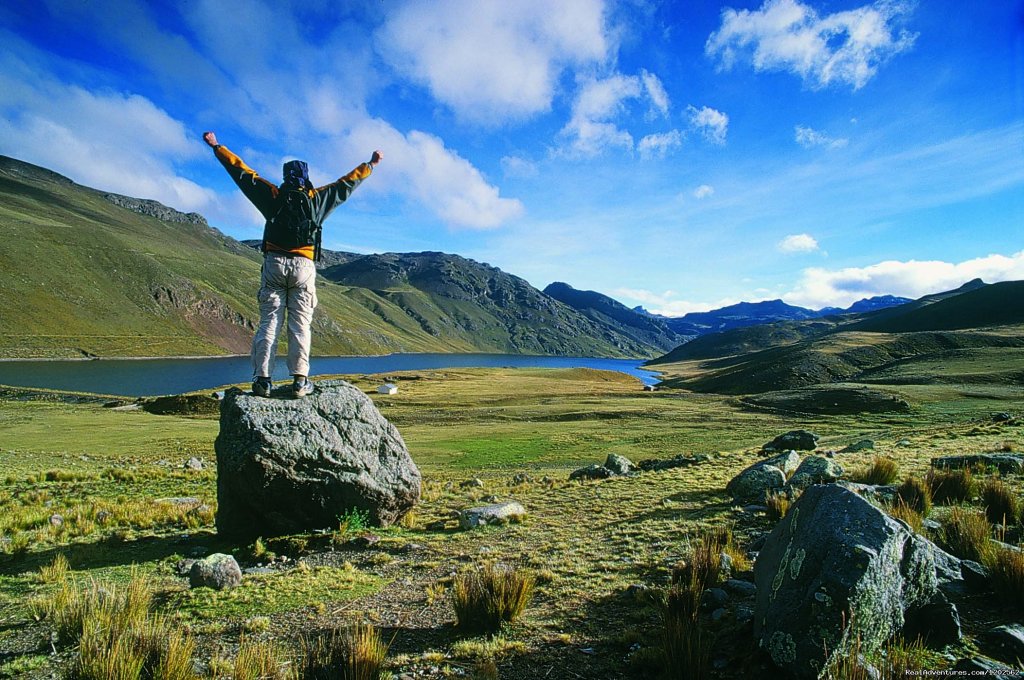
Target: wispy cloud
point(798, 243)
point(703, 191)
point(786, 35)
point(666, 303)
point(709, 122)
point(493, 62)
point(820, 287)
point(809, 137)
point(659, 144)
point(515, 166)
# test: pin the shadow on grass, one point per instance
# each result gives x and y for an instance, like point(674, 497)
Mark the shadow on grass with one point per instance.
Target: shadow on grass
point(111, 551)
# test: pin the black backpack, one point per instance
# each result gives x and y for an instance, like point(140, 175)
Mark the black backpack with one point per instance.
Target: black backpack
point(293, 225)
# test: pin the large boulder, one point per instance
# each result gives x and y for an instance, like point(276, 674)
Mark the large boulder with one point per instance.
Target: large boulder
point(836, 570)
point(794, 440)
point(292, 465)
point(218, 571)
point(765, 476)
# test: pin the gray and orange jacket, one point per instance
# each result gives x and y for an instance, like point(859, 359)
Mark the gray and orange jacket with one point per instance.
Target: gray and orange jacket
point(263, 194)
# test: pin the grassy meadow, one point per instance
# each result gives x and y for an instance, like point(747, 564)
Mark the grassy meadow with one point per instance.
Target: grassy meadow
point(107, 489)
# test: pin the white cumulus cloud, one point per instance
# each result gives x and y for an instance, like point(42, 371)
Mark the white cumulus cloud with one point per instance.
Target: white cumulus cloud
point(809, 137)
point(493, 61)
point(703, 191)
point(666, 303)
point(593, 127)
point(819, 287)
point(798, 243)
point(845, 47)
point(711, 123)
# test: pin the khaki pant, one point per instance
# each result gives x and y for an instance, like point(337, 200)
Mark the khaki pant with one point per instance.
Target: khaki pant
point(287, 283)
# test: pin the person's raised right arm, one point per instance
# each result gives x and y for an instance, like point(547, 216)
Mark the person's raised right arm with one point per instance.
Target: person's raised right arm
point(258, 190)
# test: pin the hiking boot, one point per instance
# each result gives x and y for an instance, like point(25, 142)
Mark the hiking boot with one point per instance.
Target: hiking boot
point(302, 386)
point(261, 387)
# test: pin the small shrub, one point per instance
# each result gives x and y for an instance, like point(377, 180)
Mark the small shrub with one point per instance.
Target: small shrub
point(485, 598)
point(916, 495)
point(966, 534)
point(353, 521)
point(435, 592)
point(353, 653)
point(952, 486)
point(1006, 568)
point(260, 660)
point(881, 471)
point(1001, 503)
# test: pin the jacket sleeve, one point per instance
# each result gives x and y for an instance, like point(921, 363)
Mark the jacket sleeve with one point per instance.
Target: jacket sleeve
point(332, 195)
point(258, 190)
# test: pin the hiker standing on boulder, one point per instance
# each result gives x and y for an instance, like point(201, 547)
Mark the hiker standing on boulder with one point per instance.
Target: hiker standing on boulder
point(295, 212)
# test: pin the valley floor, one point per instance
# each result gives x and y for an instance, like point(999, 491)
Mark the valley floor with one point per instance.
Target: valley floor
point(112, 477)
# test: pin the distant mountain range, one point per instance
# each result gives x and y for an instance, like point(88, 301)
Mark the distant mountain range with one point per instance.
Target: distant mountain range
point(769, 311)
point(974, 332)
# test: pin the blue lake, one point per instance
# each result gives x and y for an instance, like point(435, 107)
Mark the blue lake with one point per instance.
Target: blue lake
point(146, 377)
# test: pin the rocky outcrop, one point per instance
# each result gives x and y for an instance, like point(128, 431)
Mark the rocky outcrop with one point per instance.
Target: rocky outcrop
point(150, 208)
point(837, 570)
point(287, 465)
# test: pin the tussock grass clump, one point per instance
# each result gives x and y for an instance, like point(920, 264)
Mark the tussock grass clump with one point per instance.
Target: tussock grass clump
point(881, 471)
point(704, 566)
point(1006, 569)
point(1001, 503)
point(487, 597)
point(779, 503)
point(966, 534)
point(56, 571)
point(916, 494)
point(260, 660)
point(72, 609)
point(353, 653)
point(903, 511)
point(952, 486)
point(685, 643)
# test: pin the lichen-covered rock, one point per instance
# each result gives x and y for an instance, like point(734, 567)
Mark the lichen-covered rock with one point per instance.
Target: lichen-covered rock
point(500, 513)
point(794, 440)
point(815, 470)
point(619, 465)
point(218, 571)
point(836, 569)
point(756, 481)
point(291, 465)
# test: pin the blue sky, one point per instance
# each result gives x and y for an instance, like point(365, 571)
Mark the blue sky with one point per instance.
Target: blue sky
point(679, 155)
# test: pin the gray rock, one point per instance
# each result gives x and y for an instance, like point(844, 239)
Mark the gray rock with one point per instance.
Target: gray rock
point(521, 478)
point(1001, 417)
point(740, 588)
point(591, 472)
point(292, 465)
point(619, 465)
point(836, 568)
point(475, 483)
point(937, 623)
point(218, 571)
point(500, 513)
point(975, 575)
point(184, 566)
point(794, 440)
point(1005, 643)
point(859, 445)
point(193, 464)
point(1006, 463)
point(713, 598)
point(815, 470)
point(755, 482)
point(885, 493)
point(56, 521)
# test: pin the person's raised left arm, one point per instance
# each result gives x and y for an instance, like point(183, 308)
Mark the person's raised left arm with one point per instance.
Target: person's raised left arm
point(334, 194)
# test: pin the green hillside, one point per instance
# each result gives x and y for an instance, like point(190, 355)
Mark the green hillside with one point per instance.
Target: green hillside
point(998, 304)
point(94, 274)
point(84, 276)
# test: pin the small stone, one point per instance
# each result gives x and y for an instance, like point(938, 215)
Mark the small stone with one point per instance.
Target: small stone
point(56, 521)
point(475, 483)
point(521, 478)
point(439, 525)
point(859, 445)
point(218, 571)
point(740, 588)
point(619, 465)
point(193, 464)
point(491, 514)
point(713, 598)
point(591, 472)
